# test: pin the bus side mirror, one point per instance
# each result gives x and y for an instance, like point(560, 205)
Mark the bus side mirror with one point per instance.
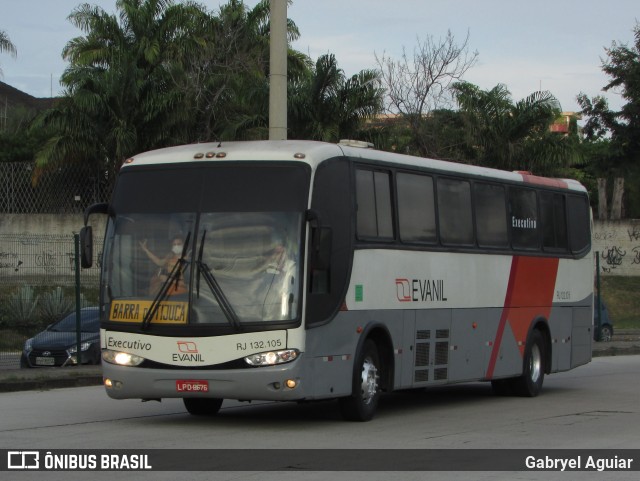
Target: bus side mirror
point(86, 233)
point(86, 246)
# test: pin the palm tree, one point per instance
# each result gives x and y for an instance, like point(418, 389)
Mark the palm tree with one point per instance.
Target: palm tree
point(513, 136)
point(119, 97)
point(325, 105)
point(244, 38)
point(6, 45)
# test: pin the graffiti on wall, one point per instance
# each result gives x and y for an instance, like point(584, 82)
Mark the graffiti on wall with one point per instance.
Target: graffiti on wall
point(9, 260)
point(618, 246)
point(33, 259)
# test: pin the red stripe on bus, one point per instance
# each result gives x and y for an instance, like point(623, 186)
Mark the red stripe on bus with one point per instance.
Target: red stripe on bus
point(529, 296)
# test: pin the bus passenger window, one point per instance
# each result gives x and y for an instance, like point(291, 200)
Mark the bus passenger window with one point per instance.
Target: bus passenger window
point(554, 221)
point(491, 215)
point(416, 208)
point(579, 223)
point(524, 218)
point(454, 212)
point(373, 194)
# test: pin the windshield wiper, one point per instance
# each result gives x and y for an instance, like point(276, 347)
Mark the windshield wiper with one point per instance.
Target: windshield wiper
point(173, 277)
point(218, 293)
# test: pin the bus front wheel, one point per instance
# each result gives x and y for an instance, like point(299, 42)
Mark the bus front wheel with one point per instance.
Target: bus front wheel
point(202, 406)
point(362, 404)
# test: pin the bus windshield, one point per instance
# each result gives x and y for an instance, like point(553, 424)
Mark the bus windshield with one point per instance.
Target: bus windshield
point(204, 267)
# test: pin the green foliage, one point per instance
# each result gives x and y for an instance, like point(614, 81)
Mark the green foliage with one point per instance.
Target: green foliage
point(612, 144)
point(621, 296)
point(33, 308)
point(23, 305)
point(325, 105)
point(19, 143)
point(514, 135)
point(161, 73)
point(54, 305)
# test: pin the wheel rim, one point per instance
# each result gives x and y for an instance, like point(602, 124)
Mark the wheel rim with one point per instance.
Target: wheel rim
point(535, 363)
point(369, 386)
point(605, 334)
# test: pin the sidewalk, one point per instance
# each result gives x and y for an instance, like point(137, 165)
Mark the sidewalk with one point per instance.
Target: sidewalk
point(625, 342)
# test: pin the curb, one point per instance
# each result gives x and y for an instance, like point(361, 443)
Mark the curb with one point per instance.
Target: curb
point(45, 384)
point(616, 351)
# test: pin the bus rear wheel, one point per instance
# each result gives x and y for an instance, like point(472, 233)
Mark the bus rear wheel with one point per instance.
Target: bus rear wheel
point(202, 406)
point(362, 404)
point(529, 384)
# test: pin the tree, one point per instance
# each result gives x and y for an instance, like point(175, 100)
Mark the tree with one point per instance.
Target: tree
point(6, 45)
point(160, 73)
point(419, 85)
point(619, 130)
point(119, 98)
point(514, 136)
point(326, 105)
point(237, 81)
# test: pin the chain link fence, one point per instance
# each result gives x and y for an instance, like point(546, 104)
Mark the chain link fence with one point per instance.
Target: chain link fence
point(38, 287)
point(64, 190)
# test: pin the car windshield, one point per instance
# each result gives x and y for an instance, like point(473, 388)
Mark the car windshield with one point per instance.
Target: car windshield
point(89, 322)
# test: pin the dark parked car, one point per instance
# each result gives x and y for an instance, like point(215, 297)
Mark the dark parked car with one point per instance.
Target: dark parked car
point(57, 344)
point(602, 328)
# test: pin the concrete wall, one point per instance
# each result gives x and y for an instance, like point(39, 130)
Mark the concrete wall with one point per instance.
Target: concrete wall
point(47, 224)
point(618, 245)
point(39, 250)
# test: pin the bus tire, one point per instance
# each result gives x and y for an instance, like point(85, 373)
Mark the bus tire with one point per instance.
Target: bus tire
point(202, 406)
point(362, 404)
point(529, 384)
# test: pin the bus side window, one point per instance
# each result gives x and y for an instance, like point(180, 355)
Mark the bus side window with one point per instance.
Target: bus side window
point(523, 206)
point(554, 221)
point(374, 215)
point(454, 212)
point(579, 223)
point(491, 215)
point(416, 208)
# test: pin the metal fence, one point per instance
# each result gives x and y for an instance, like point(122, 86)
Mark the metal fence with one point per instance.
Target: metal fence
point(64, 190)
point(38, 287)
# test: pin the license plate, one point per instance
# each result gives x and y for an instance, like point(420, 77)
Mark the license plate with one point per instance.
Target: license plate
point(192, 385)
point(45, 361)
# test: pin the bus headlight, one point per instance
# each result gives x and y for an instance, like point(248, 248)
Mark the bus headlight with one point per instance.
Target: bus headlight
point(121, 358)
point(272, 357)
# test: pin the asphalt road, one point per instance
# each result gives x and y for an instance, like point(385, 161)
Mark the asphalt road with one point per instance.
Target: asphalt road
point(592, 407)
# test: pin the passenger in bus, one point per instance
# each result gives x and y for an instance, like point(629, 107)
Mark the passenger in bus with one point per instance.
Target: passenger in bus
point(166, 264)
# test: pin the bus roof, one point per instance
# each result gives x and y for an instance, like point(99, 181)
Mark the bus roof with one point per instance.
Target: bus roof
point(313, 153)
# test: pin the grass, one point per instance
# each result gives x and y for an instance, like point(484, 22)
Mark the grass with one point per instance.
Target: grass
point(622, 296)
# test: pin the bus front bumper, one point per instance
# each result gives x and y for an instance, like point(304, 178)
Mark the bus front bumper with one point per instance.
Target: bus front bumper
point(272, 383)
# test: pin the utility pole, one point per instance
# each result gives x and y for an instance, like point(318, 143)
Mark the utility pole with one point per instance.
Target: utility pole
point(278, 70)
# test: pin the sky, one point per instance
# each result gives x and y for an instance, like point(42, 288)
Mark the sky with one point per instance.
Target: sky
point(554, 45)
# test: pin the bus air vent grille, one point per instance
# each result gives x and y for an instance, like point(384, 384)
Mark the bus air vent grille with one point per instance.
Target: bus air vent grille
point(442, 334)
point(423, 334)
point(440, 374)
point(442, 353)
point(422, 354)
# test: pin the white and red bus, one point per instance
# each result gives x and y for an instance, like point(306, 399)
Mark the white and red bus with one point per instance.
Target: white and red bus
point(305, 271)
